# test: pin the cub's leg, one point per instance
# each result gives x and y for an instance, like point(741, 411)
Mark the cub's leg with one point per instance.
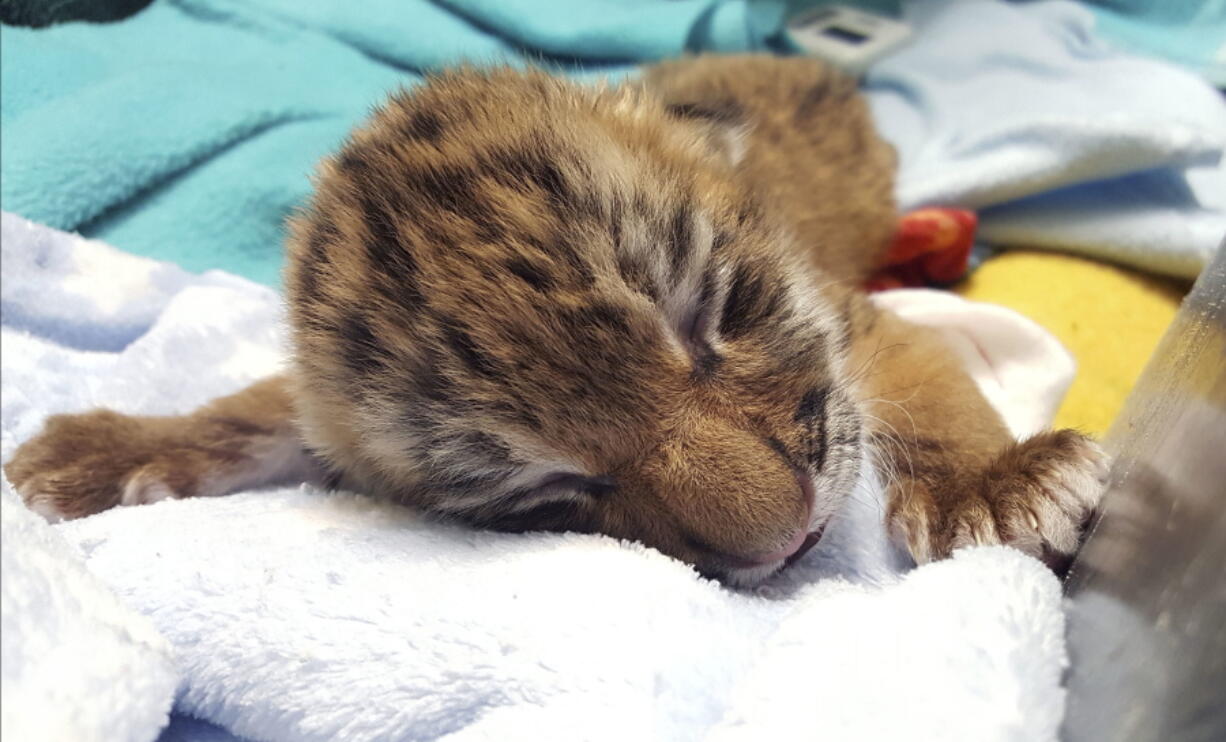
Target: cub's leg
point(83, 464)
point(956, 476)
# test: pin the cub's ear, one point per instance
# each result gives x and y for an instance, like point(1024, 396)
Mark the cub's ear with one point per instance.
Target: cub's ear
point(726, 126)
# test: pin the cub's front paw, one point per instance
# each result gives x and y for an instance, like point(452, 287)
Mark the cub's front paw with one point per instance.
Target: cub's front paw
point(83, 464)
point(1037, 496)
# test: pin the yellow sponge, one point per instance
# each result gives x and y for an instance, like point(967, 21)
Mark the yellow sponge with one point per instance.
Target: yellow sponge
point(1109, 318)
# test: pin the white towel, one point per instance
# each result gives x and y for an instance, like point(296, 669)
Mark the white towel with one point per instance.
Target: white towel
point(76, 664)
point(296, 615)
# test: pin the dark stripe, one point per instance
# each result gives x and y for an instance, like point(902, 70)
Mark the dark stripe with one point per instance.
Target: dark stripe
point(465, 484)
point(482, 445)
point(331, 479)
point(723, 112)
point(426, 382)
point(382, 241)
point(489, 229)
point(461, 343)
point(778, 447)
point(634, 272)
point(812, 100)
point(475, 448)
point(749, 213)
point(812, 413)
point(517, 414)
point(749, 303)
point(352, 162)
point(531, 273)
point(547, 177)
point(425, 126)
point(449, 188)
point(373, 194)
point(599, 486)
point(321, 235)
point(706, 360)
point(601, 314)
point(362, 352)
point(519, 170)
point(556, 246)
point(741, 294)
point(381, 205)
point(812, 404)
point(680, 239)
point(706, 363)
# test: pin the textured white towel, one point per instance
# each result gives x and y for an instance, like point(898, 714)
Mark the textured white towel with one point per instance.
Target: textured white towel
point(296, 615)
point(76, 665)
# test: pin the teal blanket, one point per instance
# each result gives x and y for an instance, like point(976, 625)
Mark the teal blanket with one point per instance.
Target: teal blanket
point(188, 132)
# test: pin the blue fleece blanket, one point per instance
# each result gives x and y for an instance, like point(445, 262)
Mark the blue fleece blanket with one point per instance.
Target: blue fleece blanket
point(188, 132)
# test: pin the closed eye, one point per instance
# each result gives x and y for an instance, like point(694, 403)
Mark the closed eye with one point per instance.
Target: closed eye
point(558, 489)
point(487, 506)
point(563, 483)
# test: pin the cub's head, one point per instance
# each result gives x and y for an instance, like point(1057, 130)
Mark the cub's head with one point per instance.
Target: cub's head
point(533, 305)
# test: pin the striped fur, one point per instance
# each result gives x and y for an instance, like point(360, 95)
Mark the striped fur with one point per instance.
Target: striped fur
point(505, 277)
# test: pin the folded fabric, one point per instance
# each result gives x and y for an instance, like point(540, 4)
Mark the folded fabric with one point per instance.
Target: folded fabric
point(931, 247)
point(1057, 140)
point(188, 131)
point(75, 663)
point(1022, 370)
point(297, 615)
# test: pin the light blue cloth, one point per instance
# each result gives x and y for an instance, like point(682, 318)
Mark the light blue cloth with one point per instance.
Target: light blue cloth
point(188, 132)
point(1188, 32)
point(1060, 142)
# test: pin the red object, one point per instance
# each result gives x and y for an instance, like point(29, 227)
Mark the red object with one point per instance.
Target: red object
point(932, 246)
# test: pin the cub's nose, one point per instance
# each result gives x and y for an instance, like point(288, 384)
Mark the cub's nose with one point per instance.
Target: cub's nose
point(801, 541)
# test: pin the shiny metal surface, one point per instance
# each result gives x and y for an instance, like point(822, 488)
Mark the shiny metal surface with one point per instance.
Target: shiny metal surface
point(1147, 620)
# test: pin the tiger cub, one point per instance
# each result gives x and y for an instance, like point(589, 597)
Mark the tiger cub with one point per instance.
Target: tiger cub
point(635, 310)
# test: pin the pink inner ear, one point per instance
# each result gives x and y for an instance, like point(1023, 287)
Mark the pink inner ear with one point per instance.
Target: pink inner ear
point(695, 331)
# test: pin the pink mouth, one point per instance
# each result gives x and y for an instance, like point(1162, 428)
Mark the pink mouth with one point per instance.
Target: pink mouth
point(810, 540)
point(799, 546)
